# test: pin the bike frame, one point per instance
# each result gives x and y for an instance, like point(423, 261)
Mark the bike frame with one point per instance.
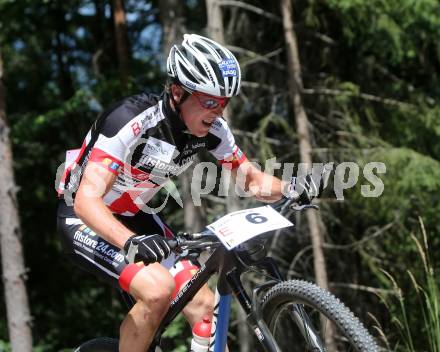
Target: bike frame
point(229, 266)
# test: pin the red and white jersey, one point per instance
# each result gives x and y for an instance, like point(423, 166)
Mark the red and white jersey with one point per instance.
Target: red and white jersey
point(144, 142)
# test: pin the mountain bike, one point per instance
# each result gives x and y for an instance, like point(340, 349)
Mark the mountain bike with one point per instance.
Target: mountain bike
point(292, 315)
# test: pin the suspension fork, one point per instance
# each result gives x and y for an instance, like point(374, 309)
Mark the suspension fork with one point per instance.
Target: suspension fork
point(253, 310)
point(306, 327)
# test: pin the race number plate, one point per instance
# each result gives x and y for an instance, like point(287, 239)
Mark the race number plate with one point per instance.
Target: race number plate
point(239, 226)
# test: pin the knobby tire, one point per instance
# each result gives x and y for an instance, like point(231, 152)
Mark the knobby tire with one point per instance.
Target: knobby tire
point(351, 334)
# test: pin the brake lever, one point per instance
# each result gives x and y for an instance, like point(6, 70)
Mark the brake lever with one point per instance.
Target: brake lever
point(298, 207)
point(181, 256)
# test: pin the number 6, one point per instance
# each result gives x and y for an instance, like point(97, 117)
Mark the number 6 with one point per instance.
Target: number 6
point(255, 218)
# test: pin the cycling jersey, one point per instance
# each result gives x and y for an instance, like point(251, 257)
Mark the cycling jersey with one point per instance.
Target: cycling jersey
point(144, 142)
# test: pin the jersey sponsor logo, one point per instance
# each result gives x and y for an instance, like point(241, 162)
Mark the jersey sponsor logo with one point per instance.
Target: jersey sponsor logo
point(81, 239)
point(137, 174)
point(151, 116)
point(158, 149)
point(238, 153)
point(157, 166)
point(114, 166)
point(216, 125)
point(186, 152)
point(191, 149)
point(110, 164)
point(228, 68)
point(136, 128)
point(198, 145)
point(187, 160)
point(235, 159)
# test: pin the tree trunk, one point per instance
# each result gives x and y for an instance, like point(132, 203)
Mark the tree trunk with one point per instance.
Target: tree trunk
point(215, 21)
point(14, 273)
point(305, 148)
point(122, 45)
point(216, 32)
point(171, 16)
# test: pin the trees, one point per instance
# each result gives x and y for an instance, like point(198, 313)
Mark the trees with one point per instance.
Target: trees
point(370, 72)
point(305, 147)
point(13, 268)
point(122, 44)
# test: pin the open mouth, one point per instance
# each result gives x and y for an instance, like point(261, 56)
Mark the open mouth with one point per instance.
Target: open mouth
point(207, 123)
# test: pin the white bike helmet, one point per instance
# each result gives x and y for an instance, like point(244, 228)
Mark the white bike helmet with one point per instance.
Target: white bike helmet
point(201, 64)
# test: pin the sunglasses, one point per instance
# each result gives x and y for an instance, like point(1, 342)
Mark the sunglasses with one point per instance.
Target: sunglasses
point(209, 102)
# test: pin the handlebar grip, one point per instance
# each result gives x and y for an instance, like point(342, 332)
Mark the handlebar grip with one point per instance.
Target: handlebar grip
point(279, 203)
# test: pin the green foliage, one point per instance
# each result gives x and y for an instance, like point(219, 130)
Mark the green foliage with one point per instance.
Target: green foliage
point(427, 291)
point(177, 337)
point(410, 189)
point(372, 70)
point(5, 346)
point(50, 107)
point(392, 30)
point(277, 122)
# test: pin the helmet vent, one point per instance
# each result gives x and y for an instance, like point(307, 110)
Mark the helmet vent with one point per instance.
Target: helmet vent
point(221, 54)
point(235, 92)
point(188, 74)
point(217, 71)
point(202, 48)
point(200, 69)
point(230, 82)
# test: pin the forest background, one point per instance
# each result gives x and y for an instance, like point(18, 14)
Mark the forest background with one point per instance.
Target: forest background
point(368, 77)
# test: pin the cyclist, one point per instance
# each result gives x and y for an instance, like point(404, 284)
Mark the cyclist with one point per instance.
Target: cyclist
point(129, 153)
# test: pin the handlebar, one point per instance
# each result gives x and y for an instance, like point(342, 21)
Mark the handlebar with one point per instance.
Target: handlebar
point(206, 239)
point(201, 240)
point(290, 203)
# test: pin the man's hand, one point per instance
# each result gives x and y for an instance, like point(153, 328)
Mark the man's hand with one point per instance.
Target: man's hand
point(146, 248)
point(304, 189)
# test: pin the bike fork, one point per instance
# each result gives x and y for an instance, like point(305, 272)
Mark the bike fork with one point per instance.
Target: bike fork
point(306, 327)
point(220, 323)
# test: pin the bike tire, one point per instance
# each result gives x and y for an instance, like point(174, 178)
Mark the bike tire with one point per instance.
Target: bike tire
point(350, 334)
point(105, 344)
point(100, 344)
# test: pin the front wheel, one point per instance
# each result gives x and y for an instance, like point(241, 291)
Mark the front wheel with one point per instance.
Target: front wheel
point(105, 344)
point(100, 344)
point(303, 317)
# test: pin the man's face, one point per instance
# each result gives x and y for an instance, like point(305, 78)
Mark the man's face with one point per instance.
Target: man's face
point(197, 118)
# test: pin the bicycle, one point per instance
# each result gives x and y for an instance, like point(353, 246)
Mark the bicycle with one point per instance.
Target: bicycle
point(284, 315)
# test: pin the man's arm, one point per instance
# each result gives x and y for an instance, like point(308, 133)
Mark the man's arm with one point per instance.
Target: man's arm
point(91, 209)
point(263, 186)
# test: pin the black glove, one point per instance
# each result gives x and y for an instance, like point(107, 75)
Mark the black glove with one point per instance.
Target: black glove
point(148, 248)
point(303, 189)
